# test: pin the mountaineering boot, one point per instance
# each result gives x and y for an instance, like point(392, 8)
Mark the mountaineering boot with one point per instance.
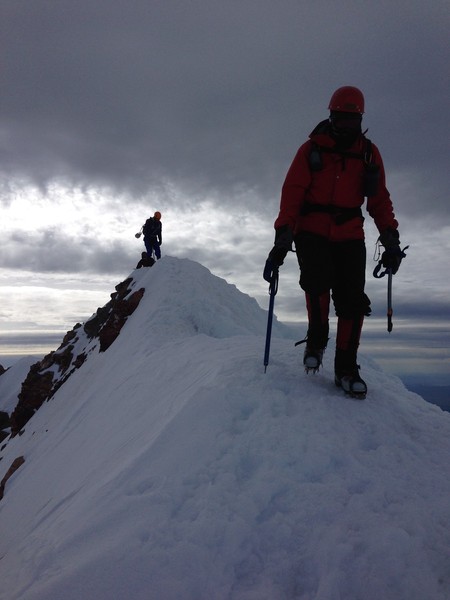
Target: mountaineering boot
point(351, 382)
point(318, 329)
point(312, 359)
point(346, 373)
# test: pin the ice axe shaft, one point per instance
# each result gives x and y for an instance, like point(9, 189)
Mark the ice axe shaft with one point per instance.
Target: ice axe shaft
point(273, 288)
point(389, 302)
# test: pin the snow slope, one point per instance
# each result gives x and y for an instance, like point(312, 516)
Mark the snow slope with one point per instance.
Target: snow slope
point(171, 467)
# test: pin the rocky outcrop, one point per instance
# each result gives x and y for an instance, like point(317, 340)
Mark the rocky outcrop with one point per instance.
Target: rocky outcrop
point(4, 425)
point(123, 308)
point(48, 375)
point(35, 390)
point(17, 462)
point(4, 417)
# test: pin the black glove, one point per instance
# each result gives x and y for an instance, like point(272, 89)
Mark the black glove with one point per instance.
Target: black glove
point(283, 244)
point(392, 255)
point(277, 255)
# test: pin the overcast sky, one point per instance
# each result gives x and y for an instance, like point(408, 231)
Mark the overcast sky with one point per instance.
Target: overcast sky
point(112, 109)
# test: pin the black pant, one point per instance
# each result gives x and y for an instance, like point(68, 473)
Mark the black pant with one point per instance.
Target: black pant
point(336, 266)
point(339, 267)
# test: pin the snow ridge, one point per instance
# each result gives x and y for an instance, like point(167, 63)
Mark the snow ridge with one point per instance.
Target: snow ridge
point(171, 467)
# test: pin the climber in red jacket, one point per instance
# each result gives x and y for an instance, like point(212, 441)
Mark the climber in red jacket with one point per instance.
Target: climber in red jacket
point(320, 211)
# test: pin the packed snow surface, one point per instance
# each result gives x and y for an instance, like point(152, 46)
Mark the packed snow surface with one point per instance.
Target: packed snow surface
point(171, 467)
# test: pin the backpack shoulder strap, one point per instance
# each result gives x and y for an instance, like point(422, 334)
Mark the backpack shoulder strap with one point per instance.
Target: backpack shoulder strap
point(368, 151)
point(315, 158)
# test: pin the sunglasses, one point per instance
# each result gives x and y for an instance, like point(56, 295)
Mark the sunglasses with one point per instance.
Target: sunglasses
point(346, 120)
point(345, 116)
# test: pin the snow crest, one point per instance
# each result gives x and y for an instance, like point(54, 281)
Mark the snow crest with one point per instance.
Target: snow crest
point(171, 467)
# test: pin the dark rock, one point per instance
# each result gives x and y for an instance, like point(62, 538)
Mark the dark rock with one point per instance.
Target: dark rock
point(79, 360)
point(122, 309)
point(17, 462)
point(36, 388)
point(4, 420)
point(4, 425)
point(93, 326)
point(63, 359)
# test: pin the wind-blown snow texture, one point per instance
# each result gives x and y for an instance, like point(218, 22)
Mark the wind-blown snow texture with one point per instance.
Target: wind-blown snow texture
point(171, 467)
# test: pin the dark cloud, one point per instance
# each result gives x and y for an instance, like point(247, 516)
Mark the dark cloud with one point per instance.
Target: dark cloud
point(52, 251)
point(211, 96)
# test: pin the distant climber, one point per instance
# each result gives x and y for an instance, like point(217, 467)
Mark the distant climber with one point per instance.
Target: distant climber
point(145, 261)
point(152, 230)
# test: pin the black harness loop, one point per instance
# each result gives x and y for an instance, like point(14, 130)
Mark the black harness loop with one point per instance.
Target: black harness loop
point(340, 214)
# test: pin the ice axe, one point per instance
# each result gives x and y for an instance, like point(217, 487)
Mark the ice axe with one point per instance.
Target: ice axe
point(270, 275)
point(388, 272)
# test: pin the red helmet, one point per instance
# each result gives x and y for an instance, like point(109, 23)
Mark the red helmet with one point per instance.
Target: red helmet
point(347, 99)
point(157, 215)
